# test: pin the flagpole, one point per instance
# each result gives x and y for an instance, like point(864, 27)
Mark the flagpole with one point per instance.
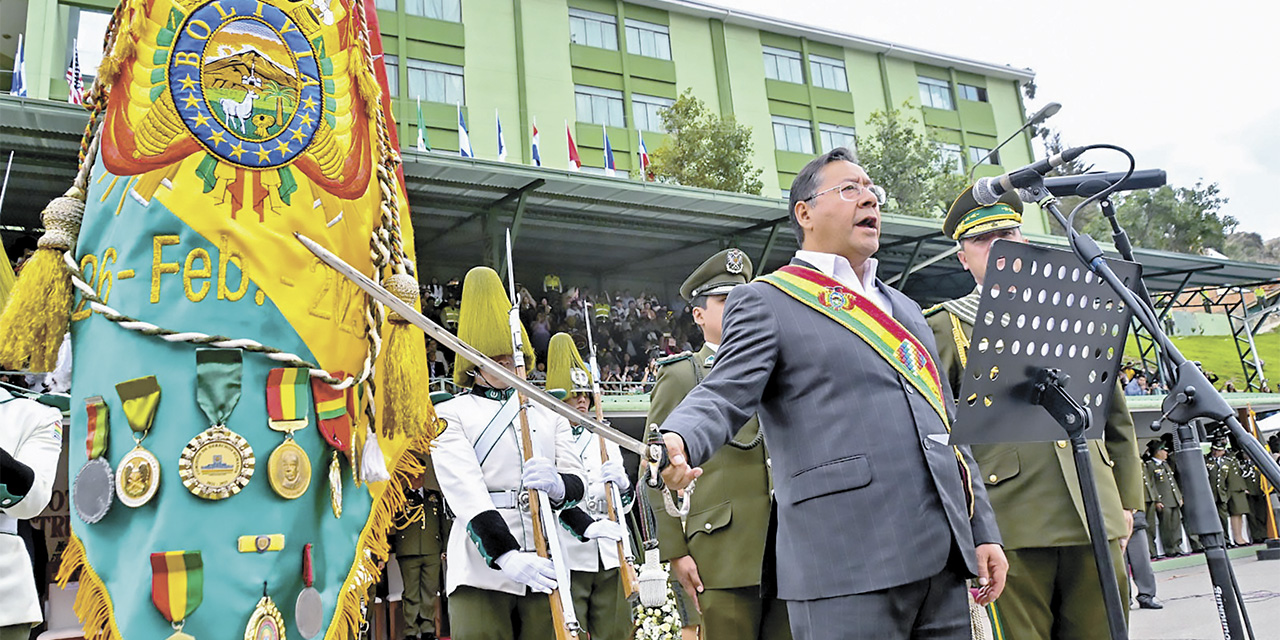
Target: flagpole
point(4, 188)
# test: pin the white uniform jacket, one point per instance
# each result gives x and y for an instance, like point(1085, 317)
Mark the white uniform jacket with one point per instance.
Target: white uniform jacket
point(32, 433)
point(474, 482)
point(591, 555)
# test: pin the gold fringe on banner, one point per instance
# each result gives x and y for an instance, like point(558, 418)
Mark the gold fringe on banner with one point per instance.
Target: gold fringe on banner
point(93, 604)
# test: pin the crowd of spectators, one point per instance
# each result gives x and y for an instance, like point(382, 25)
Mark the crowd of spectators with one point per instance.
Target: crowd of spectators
point(631, 332)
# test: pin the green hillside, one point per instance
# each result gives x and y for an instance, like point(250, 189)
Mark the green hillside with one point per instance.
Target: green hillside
point(1218, 355)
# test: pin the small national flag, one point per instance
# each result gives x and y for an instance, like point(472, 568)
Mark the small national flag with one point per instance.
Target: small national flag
point(19, 86)
point(464, 140)
point(609, 168)
point(423, 145)
point(537, 157)
point(575, 162)
point(502, 142)
point(644, 159)
point(75, 81)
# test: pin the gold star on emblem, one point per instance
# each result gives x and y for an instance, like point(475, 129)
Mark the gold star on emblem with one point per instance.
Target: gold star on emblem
point(298, 134)
point(237, 151)
point(217, 138)
point(309, 104)
point(283, 148)
point(190, 101)
point(188, 83)
point(202, 121)
point(304, 121)
point(263, 154)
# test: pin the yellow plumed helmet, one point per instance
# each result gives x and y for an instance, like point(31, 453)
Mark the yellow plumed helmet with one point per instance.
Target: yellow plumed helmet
point(482, 322)
point(565, 368)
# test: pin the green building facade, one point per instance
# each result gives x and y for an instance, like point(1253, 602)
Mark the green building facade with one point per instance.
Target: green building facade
point(607, 65)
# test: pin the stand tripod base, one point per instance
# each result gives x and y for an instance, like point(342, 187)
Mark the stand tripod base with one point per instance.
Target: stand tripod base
point(1272, 552)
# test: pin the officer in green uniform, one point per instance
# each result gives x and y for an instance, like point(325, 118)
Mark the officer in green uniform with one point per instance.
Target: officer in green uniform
point(1230, 491)
point(1168, 504)
point(418, 544)
point(1258, 500)
point(719, 553)
point(1052, 589)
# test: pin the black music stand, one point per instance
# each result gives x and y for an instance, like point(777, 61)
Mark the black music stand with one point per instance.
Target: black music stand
point(1045, 322)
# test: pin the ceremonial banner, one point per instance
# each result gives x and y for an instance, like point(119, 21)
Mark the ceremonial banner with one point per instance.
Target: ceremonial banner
point(224, 127)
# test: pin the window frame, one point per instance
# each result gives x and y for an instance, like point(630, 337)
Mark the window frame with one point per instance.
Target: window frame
point(598, 20)
point(651, 106)
point(582, 90)
point(426, 5)
point(947, 150)
point(979, 93)
point(795, 66)
point(826, 129)
point(392, 62)
point(975, 156)
point(934, 87)
point(641, 28)
point(818, 65)
point(786, 123)
point(428, 67)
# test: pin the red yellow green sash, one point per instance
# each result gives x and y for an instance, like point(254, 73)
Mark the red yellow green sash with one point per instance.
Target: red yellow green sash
point(331, 410)
point(96, 413)
point(287, 394)
point(177, 583)
point(878, 329)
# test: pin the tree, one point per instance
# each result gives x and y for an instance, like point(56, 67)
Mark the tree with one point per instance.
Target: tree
point(704, 150)
point(1179, 219)
point(1249, 247)
point(1090, 219)
point(918, 178)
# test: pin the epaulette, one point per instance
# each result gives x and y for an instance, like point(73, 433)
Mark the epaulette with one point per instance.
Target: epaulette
point(934, 309)
point(441, 397)
point(662, 362)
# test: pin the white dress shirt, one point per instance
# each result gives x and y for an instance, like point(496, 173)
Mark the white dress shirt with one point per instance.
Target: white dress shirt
point(838, 267)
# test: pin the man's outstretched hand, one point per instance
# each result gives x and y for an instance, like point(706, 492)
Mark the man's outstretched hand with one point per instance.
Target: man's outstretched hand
point(678, 473)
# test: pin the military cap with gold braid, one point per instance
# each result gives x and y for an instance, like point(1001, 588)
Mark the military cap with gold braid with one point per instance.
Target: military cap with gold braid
point(483, 322)
point(966, 218)
point(719, 274)
point(565, 368)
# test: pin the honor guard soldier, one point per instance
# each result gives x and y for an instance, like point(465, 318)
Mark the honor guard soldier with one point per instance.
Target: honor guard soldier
point(1052, 591)
point(598, 596)
point(493, 578)
point(418, 544)
point(718, 554)
point(1168, 504)
point(1230, 491)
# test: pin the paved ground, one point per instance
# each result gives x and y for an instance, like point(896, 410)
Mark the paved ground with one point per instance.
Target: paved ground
point(1190, 613)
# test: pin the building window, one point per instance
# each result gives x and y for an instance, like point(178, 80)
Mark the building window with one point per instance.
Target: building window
point(599, 171)
point(976, 155)
point(648, 39)
point(791, 134)
point(782, 64)
point(951, 157)
point(786, 194)
point(435, 82)
point(89, 29)
point(970, 92)
point(593, 29)
point(599, 106)
point(447, 10)
point(386, 5)
point(644, 110)
point(935, 93)
point(828, 73)
point(393, 74)
point(834, 136)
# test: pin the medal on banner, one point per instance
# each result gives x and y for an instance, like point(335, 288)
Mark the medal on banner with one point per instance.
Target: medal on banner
point(308, 612)
point(138, 476)
point(177, 587)
point(217, 463)
point(93, 485)
point(288, 468)
point(265, 623)
point(334, 414)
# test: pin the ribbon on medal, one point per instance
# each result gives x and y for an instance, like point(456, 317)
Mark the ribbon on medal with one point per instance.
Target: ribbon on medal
point(177, 585)
point(98, 426)
point(92, 491)
point(288, 401)
point(218, 462)
point(138, 477)
point(333, 418)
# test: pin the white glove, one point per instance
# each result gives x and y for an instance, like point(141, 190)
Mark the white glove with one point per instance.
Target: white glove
point(605, 528)
point(529, 569)
point(612, 471)
point(541, 474)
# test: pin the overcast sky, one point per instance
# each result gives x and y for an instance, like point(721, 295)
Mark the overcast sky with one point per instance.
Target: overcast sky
point(1186, 87)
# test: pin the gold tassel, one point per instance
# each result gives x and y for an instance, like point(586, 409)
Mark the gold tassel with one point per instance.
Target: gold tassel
point(405, 402)
point(36, 318)
point(93, 604)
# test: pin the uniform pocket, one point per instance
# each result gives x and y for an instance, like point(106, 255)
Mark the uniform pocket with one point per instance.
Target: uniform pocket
point(709, 521)
point(1000, 467)
point(839, 475)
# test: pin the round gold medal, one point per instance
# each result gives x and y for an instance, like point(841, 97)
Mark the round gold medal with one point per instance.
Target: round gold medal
point(216, 464)
point(289, 470)
point(137, 477)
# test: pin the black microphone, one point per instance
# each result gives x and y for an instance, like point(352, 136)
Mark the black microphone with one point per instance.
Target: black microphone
point(987, 191)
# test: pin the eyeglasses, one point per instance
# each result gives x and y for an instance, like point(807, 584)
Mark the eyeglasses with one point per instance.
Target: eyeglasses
point(852, 192)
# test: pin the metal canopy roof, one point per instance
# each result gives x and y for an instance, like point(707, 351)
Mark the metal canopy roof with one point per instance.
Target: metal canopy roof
point(590, 229)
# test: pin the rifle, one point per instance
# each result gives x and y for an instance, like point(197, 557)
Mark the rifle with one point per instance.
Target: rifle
point(545, 538)
point(626, 557)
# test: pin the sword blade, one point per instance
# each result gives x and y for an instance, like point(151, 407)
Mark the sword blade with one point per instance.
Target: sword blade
point(447, 339)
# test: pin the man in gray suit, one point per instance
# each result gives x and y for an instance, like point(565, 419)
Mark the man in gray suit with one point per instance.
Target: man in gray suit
point(880, 521)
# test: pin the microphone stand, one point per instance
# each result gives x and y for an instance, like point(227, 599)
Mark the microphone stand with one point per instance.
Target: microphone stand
point(1190, 397)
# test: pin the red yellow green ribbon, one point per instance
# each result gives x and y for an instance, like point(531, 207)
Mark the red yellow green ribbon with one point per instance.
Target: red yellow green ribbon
point(287, 394)
point(331, 410)
point(96, 410)
point(177, 583)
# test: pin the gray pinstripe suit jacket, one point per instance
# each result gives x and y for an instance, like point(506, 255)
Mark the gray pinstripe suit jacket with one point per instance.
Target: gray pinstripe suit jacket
point(865, 500)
